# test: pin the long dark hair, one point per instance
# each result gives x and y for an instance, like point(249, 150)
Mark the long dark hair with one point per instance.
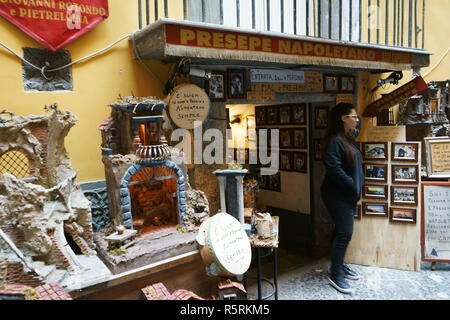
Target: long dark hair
point(336, 128)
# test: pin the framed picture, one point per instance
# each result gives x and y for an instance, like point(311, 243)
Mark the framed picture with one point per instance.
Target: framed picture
point(321, 117)
point(347, 84)
point(260, 115)
point(436, 155)
point(285, 160)
point(215, 87)
point(317, 149)
point(379, 209)
point(274, 182)
point(404, 151)
point(236, 84)
point(374, 150)
point(405, 173)
point(285, 114)
point(404, 195)
point(405, 215)
point(375, 191)
point(299, 138)
point(273, 115)
point(375, 172)
point(285, 138)
point(300, 162)
point(262, 181)
point(357, 213)
point(330, 83)
point(299, 113)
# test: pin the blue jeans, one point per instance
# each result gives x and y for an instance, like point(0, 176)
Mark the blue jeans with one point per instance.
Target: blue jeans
point(342, 214)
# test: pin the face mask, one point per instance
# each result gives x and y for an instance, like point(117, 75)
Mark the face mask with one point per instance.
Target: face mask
point(352, 133)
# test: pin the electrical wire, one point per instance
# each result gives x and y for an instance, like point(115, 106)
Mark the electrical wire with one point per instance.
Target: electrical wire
point(437, 63)
point(43, 69)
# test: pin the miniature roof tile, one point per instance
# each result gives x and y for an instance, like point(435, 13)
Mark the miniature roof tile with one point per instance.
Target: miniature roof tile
point(183, 294)
point(158, 291)
point(230, 284)
point(51, 291)
point(105, 124)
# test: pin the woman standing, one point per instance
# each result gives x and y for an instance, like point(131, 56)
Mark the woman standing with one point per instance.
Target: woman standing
point(341, 188)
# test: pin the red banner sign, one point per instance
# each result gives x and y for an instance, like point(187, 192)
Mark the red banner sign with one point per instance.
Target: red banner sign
point(54, 23)
point(395, 97)
point(229, 40)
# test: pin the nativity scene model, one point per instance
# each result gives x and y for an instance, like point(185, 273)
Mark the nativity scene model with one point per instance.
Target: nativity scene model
point(46, 229)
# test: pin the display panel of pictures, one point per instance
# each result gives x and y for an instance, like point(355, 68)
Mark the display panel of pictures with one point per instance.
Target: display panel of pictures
point(374, 172)
point(260, 115)
point(404, 151)
point(285, 114)
point(330, 83)
point(321, 117)
point(215, 86)
point(236, 84)
point(285, 160)
point(300, 161)
point(273, 115)
point(375, 191)
point(404, 215)
point(403, 173)
point(347, 84)
point(286, 140)
point(404, 195)
point(299, 113)
point(299, 138)
point(374, 150)
point(270, 182)
point(379, 209)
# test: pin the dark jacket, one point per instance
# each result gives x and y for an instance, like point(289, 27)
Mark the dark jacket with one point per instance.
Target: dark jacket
point(342, 181)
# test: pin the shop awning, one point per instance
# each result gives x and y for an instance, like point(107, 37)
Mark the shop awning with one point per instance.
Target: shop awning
point(168, 40)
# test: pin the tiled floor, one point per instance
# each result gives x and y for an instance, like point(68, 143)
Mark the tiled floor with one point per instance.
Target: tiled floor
point(302, 278)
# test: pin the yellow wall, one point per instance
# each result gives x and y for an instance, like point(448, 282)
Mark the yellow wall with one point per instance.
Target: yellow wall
point(97, 82)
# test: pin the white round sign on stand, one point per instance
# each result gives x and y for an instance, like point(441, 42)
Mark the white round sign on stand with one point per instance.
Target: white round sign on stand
point(227, 248)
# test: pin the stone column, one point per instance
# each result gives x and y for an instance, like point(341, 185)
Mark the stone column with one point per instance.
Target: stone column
point(240, 197)
point(222, 183)
point(232, 196)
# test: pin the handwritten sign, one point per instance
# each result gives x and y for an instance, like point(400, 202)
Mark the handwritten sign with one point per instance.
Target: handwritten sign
point(344, 97)
point(260, 95)
point(313, 83)
point(385, 133)
point(188, 103)
point(436, 221)
point(229, 244)
point(438, 156)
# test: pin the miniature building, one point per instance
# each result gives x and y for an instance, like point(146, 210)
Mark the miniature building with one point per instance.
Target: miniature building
point(147, 187)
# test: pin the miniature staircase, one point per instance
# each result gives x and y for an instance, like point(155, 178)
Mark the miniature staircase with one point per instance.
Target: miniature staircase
point(49, 273)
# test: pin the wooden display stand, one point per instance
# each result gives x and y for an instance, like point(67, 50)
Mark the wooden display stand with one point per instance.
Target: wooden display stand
point(379, 240)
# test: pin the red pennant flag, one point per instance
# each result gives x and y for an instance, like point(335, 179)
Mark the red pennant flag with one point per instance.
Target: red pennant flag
point(395, 97)
point(54, 23)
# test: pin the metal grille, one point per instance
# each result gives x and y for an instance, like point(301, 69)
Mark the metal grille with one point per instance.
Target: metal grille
point(149, 174)
point(15, 163)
